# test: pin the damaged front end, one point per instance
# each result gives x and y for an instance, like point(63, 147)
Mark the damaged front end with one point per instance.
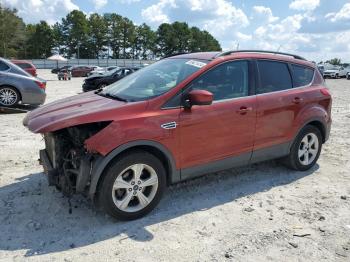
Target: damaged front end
point(65, 159)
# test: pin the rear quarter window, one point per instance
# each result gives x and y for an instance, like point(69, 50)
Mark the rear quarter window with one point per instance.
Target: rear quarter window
point(302, 75)
point(274, 76)
point(24, 65)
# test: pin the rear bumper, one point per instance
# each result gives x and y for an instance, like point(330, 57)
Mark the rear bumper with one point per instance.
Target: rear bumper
point(34, 98)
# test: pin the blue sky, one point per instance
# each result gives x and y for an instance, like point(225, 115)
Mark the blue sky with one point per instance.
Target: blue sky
point(316, 29)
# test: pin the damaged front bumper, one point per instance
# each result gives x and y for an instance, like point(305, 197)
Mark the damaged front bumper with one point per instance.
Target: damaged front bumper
point(59, 176)
point(52, 173)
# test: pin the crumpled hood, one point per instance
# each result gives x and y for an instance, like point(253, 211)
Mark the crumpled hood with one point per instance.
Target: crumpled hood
point(80, 109)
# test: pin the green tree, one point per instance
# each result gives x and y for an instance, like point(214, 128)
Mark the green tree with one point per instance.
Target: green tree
point(75, 29)
point(144, 43)
point(58, 39)
point(114, 33)
point(128, 38)
point(12, 34)
point(40, 40)
point(209, 43)
point(179, 38)
point(165, 44)
point(334, 61)
point(97, 34)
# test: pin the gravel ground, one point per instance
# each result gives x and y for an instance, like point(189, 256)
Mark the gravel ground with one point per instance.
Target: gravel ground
point(257, 213)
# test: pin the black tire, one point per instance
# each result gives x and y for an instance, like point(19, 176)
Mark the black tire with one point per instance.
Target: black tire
point(114, 170)
point(11, 89)
point(102, 85)
point(292, 160)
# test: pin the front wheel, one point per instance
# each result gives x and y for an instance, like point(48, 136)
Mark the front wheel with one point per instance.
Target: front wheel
point(132, 186)
point(305, 150)
point(102, 86)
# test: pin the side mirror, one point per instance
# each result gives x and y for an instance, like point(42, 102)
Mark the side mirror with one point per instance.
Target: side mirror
point(199, 97)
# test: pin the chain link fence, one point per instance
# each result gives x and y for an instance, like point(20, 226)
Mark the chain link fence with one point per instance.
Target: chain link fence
point(49, 64)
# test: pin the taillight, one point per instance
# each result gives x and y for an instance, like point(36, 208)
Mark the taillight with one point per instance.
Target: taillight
point(42, 85)
point(325, 92)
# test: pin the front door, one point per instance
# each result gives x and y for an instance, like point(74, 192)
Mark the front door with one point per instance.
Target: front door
point(224, 129)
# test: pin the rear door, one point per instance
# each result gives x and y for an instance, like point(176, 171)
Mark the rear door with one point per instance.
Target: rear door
point(279, 101)
point(224, 129)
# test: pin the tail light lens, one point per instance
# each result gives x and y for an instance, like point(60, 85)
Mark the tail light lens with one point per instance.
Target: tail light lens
point(41, 85)
point(325, 92)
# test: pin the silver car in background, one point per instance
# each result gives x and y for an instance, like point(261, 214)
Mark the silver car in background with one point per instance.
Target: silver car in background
point(19, 87)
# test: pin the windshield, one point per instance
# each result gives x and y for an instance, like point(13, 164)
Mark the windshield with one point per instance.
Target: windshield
point(153, 80)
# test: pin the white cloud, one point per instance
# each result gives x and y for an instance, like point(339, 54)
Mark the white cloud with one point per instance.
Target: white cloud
point(304, 5)
point(99, 3)
point(264, 13)
point(244, 37)
point(129, 1)
point(156, 13)
point(48, 10)
point(216, 16)
point(343, 14)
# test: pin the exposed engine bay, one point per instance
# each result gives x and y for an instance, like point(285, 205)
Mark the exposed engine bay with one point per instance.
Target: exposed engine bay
point(71, 163)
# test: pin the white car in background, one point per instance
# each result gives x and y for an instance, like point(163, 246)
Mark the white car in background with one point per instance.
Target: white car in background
point(96, 70)
point(335, 72)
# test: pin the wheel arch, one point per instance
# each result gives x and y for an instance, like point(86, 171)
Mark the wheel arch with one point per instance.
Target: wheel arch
point(319, 124)
point(155, 148)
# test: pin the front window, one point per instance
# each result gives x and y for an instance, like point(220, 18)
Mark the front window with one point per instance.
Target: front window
point(154, 80)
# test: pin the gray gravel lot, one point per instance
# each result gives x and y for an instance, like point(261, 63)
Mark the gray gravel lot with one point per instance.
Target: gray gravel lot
point(257, 213)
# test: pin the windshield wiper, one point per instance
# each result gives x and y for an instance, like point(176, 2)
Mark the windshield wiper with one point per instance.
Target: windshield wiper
point(113, 97)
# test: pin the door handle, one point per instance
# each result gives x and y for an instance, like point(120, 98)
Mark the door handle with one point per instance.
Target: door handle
point(297, 100)
point(244, 110)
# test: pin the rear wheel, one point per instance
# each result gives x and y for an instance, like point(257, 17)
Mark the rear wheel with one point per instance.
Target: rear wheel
point(305, 150)
point(9, 96)
point(132, 186)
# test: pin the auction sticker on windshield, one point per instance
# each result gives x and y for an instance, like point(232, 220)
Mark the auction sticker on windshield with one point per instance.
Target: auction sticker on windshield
point(195, 63)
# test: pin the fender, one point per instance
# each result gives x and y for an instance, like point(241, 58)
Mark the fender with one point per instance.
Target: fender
point(101, 162)
point(326, 127)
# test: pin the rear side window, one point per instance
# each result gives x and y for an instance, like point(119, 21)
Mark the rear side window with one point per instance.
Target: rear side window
point(3, 66)
point(24, 65)
point(302, 76)
point(274, 76)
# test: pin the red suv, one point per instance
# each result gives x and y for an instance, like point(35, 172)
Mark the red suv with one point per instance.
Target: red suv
point(26, 66)
point(180, 118)
point(81, 71)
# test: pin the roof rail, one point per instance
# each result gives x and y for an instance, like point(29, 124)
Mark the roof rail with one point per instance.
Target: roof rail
point(258, 51)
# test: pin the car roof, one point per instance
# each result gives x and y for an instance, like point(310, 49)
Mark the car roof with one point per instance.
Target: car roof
point(247, 55)
point(21, 61)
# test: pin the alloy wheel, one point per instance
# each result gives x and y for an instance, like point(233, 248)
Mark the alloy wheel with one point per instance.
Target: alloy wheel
point(135, 187)
point(308, 149)
point(8, 96)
